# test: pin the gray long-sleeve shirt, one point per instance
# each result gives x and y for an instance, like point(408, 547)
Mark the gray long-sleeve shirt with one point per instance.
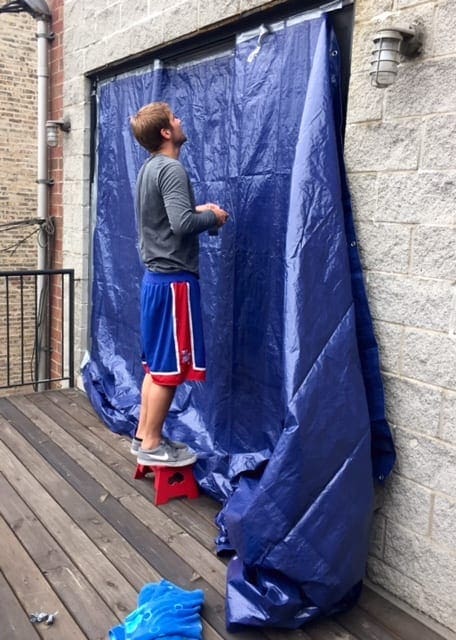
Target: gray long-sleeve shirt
point(167, 223)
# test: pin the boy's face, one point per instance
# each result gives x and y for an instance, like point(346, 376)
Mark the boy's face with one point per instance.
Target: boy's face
point(178, 136)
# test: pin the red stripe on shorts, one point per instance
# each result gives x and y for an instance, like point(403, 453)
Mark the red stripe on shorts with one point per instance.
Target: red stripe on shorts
point(184, 341)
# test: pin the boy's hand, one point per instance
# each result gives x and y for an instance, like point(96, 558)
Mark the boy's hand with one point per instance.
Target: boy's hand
point(221, 215)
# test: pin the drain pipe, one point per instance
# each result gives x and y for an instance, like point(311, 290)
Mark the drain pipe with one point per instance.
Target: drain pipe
point(42, 346)
point(42, 35)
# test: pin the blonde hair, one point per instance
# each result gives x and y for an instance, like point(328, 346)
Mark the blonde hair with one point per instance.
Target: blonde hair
point(148, 123)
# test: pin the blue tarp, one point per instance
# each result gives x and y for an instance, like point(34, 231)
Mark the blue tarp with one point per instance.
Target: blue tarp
point(290, 425)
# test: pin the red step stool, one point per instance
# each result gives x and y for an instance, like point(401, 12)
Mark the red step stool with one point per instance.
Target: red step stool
point(170, 482)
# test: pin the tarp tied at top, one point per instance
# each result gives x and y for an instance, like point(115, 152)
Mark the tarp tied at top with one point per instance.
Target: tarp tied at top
point(290, 426)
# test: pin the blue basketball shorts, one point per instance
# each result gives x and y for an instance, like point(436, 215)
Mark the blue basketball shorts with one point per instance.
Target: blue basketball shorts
point(171, 328)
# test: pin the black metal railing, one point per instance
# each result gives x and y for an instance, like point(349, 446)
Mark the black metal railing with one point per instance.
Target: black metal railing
point(36, 328)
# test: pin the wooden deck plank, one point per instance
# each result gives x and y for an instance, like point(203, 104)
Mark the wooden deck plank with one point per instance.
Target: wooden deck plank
point(329, 630)
point(112, 587)
point(363, 625)
point(154, 550)
point(64, 576)
point(32, 589)
point(126, 559)
point(392, 617)
point(201, 512)
point(15, 622)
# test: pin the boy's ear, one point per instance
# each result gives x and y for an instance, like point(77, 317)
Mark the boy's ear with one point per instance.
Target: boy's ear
point(165, 133)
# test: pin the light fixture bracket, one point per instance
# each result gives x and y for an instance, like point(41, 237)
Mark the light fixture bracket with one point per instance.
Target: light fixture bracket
point(63, 125)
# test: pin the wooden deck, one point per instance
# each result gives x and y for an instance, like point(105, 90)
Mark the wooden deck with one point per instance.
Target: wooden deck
point(80, 536)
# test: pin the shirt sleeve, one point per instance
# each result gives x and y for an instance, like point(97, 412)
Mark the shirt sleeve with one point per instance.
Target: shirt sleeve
point(174, 188)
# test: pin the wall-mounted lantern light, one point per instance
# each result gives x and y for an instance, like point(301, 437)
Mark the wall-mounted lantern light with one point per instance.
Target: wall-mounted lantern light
point(52, 130)
point(389, 45)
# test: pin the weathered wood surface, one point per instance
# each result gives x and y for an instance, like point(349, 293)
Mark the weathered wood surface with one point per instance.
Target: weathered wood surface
point(80, 536)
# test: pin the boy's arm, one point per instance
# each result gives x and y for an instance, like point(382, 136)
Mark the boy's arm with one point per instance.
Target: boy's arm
point(173, 184)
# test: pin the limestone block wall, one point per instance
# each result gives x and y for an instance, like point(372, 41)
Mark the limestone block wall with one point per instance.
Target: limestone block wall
point(401, 159)
point(400, 152)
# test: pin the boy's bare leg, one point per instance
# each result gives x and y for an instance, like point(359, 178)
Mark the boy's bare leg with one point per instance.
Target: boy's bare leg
point(156, 400)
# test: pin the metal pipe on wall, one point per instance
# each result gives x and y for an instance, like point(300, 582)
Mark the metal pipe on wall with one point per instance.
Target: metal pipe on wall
point(42, 346)
point(42, 35)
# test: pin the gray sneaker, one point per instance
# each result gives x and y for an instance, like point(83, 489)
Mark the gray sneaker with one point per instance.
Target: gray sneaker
point(166, 455)
point(136, 445)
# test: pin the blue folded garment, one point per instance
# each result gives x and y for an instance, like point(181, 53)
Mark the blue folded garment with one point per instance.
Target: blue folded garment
point(164, 611)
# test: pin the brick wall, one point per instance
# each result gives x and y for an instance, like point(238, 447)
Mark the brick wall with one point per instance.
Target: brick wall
point(400, 154)
point(17, 183)
point(401, 148)
point(57, 331)
point(17, 136)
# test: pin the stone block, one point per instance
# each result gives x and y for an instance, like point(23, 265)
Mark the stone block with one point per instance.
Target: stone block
point(377, 535)
point(73, 12)
point(448, 417)
point(445, 28)
point(76, 91)
point(76, 193)
point(369, 9)
point(408, 504)
point(363, 33)
point(78, 37)
point(363, 190)
point(94, 57)
point(429, 357)
point(106, 21)
point(76, 143)
point(364, 101)
point(412, 405)
point(384, 247)
point(411, 301)
point(442, 609)
point(74, 63)
point(382, 147)
point(79, 116)
point(417, 90)
point(397, 583)
point(424, 198)
point(422, 560)
point(93, 7)
point(389, 338)
point(444, 521)
point(439, 143)
point(402, 4)
point(212, 11)
point(180, 20)
point(145, 35)
point(158, 6)
point(246, 5)
point(434, 252)
point(427, 461)
point(132, 11)
point(77, 168)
